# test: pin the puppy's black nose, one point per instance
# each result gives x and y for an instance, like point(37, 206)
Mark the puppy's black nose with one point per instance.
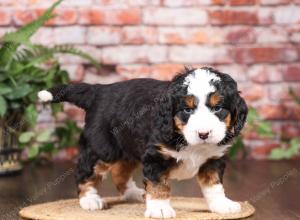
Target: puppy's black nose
point(203, 136)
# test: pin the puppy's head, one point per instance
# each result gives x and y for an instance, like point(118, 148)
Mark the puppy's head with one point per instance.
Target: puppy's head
point(204, 106)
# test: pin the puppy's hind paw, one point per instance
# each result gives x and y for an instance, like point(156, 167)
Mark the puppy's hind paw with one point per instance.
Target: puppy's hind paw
point(92, 202)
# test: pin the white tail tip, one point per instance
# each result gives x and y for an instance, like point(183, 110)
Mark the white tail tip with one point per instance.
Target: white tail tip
point(45, 96)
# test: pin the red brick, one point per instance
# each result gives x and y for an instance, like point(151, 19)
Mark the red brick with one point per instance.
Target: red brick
point(184, 35)
point(104, 35)
point(252, 92)
point(269, 111)
point(124, 16)
point(290, 130)
point(139, 35)
point(281, 92)
point(292, 73)
point(118, 3)
point(64, 16)
point(5, 16)
point(237, 72)
point(242, 2)
point(134, 54)
point(110, 16)
point(74, 113)
point(263, 148)
point(44, 35)
point(165, 71)
point(240, 35)
point(75, 71)
point(292, 110)
point(180, 3)
point(286, 111)
point(271, 35)
point(92, 76)
point(199, 54)
point(264, 54)
point(23, 16)
point(233, 17)
point(265, 16)
point(175, 16)
point(134, 71)
point(274, 2)
point(91, 16)
point(287, 15)
point(62, 35)
point(265, 73)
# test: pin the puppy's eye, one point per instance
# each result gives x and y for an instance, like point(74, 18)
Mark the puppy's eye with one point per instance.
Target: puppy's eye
point(188, 110)
point(217, 108)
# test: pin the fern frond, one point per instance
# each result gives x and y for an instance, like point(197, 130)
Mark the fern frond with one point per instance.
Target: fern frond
point(11, 41)
point(68, 49)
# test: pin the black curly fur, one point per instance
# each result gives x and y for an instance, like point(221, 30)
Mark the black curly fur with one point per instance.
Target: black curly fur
point(128, 120)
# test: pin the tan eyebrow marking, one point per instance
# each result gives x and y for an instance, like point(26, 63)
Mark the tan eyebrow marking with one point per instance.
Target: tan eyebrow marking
point(190, 101)
point(214, 99)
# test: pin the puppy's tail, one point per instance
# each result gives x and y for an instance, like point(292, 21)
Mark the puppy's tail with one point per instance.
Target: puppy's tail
point(80, 94)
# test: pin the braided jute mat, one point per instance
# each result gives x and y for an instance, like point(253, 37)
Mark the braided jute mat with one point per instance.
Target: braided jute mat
point(186, 208)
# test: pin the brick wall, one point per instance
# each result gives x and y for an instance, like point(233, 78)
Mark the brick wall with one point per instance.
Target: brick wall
point(256, 41)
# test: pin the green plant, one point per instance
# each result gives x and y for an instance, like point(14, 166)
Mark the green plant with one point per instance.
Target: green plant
point(255, 123)
point(25, 69)
point(288, 148)
point(50, 141)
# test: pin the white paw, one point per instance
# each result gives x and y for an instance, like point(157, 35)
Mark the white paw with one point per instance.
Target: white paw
point(92, 202)
point(224, 206)
point(159, 209)
point(134, 194)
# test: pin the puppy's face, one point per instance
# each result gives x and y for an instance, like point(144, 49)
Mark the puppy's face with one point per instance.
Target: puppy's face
point(209, 108)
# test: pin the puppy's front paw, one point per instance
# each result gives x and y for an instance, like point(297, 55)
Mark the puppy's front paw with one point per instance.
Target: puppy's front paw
point(224, 206)
point(159, 209)
point(92, 202)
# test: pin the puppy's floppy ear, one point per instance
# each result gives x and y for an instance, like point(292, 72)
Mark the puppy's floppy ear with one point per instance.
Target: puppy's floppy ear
point(240, 111)
point(163, 118)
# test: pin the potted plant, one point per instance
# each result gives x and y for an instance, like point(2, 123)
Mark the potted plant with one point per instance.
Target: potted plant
point(25, 69)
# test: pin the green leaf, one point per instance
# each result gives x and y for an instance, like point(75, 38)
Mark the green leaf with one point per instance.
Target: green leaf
point(236, 146)
point(33, 152)
point(19, 92)
point(47, 147)
point(264, 129)
point(11, 41)
point(56, 107)
point(44, 136)
point(31, 115)
point(67, 49)
point(26, 137)
point(4, 89)
point(252, 116)
point(23, 34)
point(278, 154)
point(3, 106)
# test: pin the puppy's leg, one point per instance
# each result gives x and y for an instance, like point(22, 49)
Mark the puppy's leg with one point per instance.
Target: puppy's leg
point(158, 200)
point(122, 177)
point(155, 170)
point(210, 179)
point(89, 175)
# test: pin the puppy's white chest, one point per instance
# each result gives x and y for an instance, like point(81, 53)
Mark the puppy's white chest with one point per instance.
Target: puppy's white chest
point(191, 158)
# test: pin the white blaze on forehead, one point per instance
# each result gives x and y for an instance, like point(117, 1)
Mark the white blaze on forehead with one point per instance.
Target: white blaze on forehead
point(199, 83)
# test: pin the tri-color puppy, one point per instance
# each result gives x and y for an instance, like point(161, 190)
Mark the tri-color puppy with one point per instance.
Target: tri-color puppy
point(176, 129)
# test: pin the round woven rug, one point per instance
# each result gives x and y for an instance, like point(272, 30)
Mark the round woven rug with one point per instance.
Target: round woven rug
point(186, 208)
